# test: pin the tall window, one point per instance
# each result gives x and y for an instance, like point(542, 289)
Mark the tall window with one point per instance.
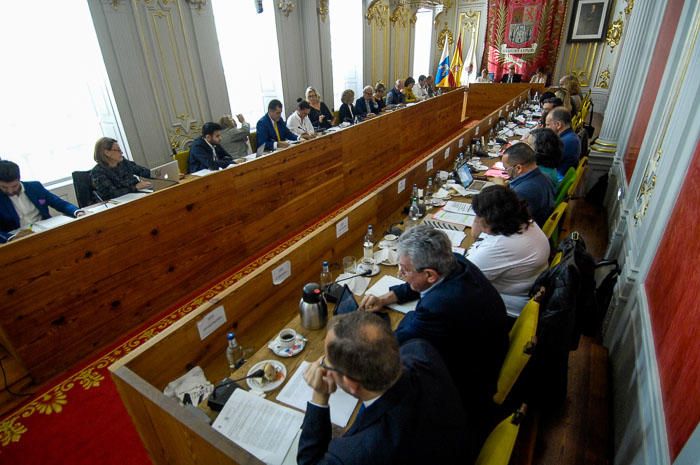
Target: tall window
point(249, 53)
point(346, 47)
point(56, 99)
point(421, 43)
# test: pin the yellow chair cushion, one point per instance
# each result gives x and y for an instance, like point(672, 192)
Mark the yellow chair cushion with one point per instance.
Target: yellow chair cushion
point(522, 337)
point(499, 445)
point(183, 161)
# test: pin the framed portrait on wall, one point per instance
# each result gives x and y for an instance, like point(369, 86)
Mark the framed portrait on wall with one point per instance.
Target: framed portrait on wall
point(589, 20)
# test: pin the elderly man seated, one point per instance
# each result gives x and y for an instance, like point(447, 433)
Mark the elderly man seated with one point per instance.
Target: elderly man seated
point(458, 311)
point(410, 412)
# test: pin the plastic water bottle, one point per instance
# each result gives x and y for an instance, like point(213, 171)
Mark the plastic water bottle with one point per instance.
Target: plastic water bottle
point(428, 194)
point(368, 245)
point(326, 278)
point(234, 352)
point(414, 211)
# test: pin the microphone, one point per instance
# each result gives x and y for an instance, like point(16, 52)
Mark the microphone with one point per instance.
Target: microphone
point(333, 291)
point(104, 202)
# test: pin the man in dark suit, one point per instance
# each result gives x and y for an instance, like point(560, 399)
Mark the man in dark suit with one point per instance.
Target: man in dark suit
point(366, 106)
point(271, 131)
point(24, 203)
point(206, 153)
point(459, 312)
point(512, 76)
point(528, 182)
point(395, 96)
point(410, 412)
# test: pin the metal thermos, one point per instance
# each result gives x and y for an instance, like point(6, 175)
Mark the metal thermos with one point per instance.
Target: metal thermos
point(312, 307)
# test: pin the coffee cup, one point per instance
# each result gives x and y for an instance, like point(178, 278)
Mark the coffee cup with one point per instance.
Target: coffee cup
point(286, 338)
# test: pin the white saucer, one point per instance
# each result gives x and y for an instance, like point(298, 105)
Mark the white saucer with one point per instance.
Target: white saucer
point(261, 384)
point(277, 349)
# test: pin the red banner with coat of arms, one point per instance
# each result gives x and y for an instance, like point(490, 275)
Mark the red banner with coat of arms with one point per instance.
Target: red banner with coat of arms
point(523, 33)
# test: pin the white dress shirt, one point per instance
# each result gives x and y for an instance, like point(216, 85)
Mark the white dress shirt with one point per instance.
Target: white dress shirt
point(512, 263)
point(27, 212)
point(299, 126)
point(420, 93)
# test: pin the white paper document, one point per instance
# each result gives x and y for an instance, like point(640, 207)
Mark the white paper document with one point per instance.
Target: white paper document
point(458, 207)
point(297, 393)
point(382, 286)
point(456, 218)
point(50, 223)
point(130, 197)
point(456, 237)
point(259, 426)
point(203, 172)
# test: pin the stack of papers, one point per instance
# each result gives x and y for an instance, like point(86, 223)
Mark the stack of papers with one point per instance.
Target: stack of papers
point(460, 219)
point(296, 393)
point(203, 172)
point(50, 223)
point(456, 237)
point(261, 427)
point(382, 286)
point(458, 207)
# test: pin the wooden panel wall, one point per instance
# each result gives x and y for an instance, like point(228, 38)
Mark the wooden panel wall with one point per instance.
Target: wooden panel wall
point(79, 287)
point(672, 287)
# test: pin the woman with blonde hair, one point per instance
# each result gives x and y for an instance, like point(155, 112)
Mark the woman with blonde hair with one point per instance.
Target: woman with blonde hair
point(320, 116)
point(114, 175)
point(571, 85)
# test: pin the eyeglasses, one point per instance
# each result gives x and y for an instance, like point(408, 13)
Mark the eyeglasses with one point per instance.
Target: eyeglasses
point(115, 150)
point(404, 272)
point(323, 365)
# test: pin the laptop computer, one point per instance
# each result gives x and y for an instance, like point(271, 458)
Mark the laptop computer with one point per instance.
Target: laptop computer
point(346, 302)
point(169, 171)
point(467, 180)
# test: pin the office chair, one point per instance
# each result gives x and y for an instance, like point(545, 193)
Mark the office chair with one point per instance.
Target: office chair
point(522, 339)
point(564, 186)
point(82, 184)
point(183, 161)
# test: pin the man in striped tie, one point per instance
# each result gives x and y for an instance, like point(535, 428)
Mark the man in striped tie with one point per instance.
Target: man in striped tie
point(272, 132)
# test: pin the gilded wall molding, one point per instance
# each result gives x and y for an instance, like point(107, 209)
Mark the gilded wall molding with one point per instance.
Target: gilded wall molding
point(403, 16)
point(378, 14)
point(629, 7)
point(445, 34)
point(614, 34)
point(198, 4)
point(322, 9)
point(286, 7)
point(604, 79)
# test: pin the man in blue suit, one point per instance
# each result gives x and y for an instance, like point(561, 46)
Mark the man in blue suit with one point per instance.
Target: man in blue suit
point(24, 203)
point(458, 311)
point(366, 106)
point(271, 131)
point(410, 411)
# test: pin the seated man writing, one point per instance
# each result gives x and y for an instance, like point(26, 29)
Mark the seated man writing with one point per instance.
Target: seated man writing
point(410, 412)
point(459, 312)
point(24, 203)
point(272, 132)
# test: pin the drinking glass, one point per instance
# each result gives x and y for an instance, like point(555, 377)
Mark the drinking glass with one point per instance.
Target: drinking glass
point(349, 265)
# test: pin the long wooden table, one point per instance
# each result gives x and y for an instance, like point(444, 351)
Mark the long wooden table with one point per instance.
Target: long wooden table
point(79, 287)
point(257, 309)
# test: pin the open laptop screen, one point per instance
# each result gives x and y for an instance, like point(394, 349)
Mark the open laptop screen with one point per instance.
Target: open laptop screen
point(346, 302)
point(465, 176)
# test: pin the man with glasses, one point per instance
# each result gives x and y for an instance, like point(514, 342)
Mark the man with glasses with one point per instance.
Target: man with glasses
point(410, 412)
point(365, 106)
point(528, 182)
point(458, 311)
point(559, 121)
